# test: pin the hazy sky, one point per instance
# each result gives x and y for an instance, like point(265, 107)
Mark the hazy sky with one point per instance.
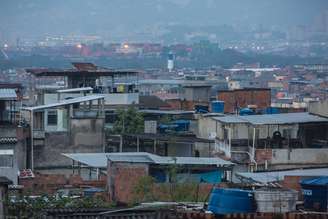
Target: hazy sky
point(39, 17)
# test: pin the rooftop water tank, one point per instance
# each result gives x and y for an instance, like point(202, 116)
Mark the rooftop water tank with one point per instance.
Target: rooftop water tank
point(217, 106)
point(229, 201)
point(275, 200)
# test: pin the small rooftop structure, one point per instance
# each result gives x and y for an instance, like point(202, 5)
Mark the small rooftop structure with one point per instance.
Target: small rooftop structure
point(99, 160)
point(276, 176)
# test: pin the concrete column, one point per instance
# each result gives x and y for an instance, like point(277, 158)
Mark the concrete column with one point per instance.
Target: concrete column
point(121, 143)
point(138, 144)
point(103, 107)
point(155, 142)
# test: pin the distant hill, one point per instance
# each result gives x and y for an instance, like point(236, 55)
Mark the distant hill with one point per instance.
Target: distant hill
point(107, 17)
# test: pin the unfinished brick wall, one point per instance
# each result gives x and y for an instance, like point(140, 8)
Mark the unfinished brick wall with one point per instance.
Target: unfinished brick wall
point(177, 104)
point(261, 155)
point(243, 97)
point(122, 179)
point(50, 183)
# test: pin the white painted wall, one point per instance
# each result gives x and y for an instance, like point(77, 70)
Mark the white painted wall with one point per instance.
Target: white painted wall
point(110, 99)
point(300, 156)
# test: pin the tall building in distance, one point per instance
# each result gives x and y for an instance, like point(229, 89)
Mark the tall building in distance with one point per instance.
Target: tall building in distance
point(170, 62)
point(321, 22)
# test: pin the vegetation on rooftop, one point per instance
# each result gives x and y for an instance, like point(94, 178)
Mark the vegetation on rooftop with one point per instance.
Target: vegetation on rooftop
point(34, 207)
point(129, 121)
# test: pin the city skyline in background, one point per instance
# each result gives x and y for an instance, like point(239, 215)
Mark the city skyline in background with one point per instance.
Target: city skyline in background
point(169, 21)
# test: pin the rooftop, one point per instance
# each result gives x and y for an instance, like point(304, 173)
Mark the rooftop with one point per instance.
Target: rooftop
point(99, 160)
point(272, 119)
point(167, 112)
point(81, 89)
point(276, 176)
point(65, 102)
point(81, 69)
point(8, 94)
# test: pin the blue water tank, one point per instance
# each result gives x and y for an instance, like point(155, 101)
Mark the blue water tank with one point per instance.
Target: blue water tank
point(315, 193)
point(246, 112)
point(217, 106)
point(229, 201)
point(201, 109)
point(181, 125)
point(272, 110)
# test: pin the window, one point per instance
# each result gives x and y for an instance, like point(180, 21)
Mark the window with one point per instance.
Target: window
point(6, 158)
point(110, 117)
point(52, 117)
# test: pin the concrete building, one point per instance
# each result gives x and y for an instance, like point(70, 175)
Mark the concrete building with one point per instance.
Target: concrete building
point(12, 141)
point(274, 141)
point(134, 166)
point(118, 87)
point(72, 125)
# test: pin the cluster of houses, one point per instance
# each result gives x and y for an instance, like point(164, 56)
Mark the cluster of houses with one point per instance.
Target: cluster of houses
point(236, 137)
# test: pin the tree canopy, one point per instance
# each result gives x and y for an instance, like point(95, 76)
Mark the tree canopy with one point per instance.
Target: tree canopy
point(129, 121)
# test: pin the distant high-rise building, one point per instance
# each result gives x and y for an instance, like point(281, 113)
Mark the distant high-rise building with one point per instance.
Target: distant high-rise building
point(170, 62)
point(321, 22)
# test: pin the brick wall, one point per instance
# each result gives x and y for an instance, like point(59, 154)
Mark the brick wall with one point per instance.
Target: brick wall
point(50, 183)
point(261, 155)
point(177, 104)
point(244, 97)
point(122, 178)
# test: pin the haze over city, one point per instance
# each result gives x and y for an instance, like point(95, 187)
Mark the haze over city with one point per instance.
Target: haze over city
point(163, 109)
point(25, 18)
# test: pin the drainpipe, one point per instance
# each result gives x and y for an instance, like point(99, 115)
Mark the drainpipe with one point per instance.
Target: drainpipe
point(32, 140)
point(253, 149)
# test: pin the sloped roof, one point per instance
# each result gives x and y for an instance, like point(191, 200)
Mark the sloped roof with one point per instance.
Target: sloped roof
point(8, 94)
point(276, 176)
point(99, 160)
point(272, 119)
point(65, 102)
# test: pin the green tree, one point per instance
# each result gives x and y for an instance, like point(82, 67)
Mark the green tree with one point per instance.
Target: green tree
point(129, 121)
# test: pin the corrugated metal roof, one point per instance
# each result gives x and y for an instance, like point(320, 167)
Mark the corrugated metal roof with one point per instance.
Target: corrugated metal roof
point(269, 177)
point(229, 119)
point(75, 90)
point(283, 118)
point(99, 160)
point(272, 119)
point(167, 112)
point(7, 94)
point(66, 102)
point(320, 181)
